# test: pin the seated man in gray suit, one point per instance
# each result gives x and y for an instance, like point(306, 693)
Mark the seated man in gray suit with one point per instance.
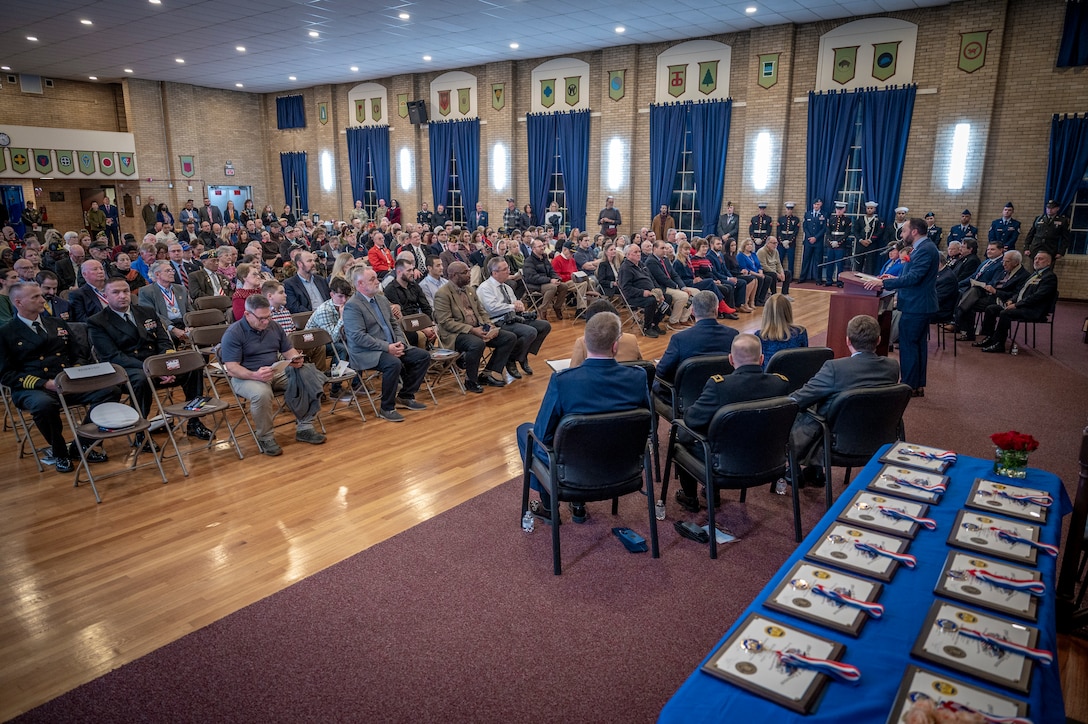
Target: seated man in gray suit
point(376, 342)
point(863, 368)
point(166, 300)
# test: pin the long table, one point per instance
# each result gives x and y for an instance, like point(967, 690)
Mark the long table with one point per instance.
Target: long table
point(882, 652)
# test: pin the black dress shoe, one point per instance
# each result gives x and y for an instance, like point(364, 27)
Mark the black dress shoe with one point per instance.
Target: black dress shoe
point(197, 429)
point(687, 502)
point(920, 392)
point(985, 342)
point(473, 387)
point(64, 465)
point(813, 477)
point(651, 332)
point(995, 348)
point(526, 368)
point(490, 381)
point(512, 370)
point(93, 456)
point(142, 443)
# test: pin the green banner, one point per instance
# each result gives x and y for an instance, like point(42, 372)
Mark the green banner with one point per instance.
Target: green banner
point(376, 109)
point(106, 163)
point(615, 84)
point(498, 96)
point(678, 80)
point(708, 77)
point(845, 65)
point(402, 105)
point(768, 70)
point(127, 163)
point(463, 101)
point(20, 160)
point(572, 89)
point(66, 162)
point(43, 160)
point(884, 59)
point(86, 162)
point(973, 50)
point(547, 93)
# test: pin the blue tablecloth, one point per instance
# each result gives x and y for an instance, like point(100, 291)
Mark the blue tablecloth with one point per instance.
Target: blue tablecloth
point(882, 652)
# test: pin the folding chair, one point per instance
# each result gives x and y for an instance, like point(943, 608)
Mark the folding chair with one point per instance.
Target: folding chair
point(172, 365)
point(305, 340)
point(118, 378)
point(301, 318)
point(203, 318)
point(443, 361)
point(223, 304)
point(633, 314)
point(14, 416)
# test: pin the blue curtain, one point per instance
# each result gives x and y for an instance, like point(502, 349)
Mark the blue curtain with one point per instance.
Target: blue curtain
point(369, 144)
point(573, 131)
point(709, 142)
point(290, 112)
point(1068, 161)
point(466, 147)
point(831, 118)
point(668, 123)
point(1073, 49)
point(293, 166)
point(441, 140)
point(885, 126)
point(540, 130)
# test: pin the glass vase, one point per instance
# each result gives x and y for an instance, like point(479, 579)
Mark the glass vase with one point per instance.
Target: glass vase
point(1011, 463)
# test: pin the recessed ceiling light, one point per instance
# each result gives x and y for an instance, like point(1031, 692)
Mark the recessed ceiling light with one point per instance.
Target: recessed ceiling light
point(128, 70)
point(404, 16)
point(291, 77)
point(751, 9)
point(93, 77)
point(31, 38)
point(240, 48)
point(86, 22)
point(155, 2)
point(621, 29)
point(179, 60)
point(514, 46)
point(5, 67)
point(314, 34)
point(238, 85)
point(426, 57)
point(354, 69)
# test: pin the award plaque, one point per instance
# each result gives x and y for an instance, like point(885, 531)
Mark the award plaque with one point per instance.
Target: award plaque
point(860, 551)
point(911, 484)
point(953, 696)
point(921, 457)
point(1011, 500)
point(994, 649)
point(997, 586)
point(1011, 540)
point(825, 596)
point(755, 658)
point(887, 515)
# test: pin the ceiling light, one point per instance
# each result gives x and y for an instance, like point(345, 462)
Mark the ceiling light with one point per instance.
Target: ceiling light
point(86, 22)
point(621, 29)
point(514, 46)
point(354, 69)
point(5, 67)
point(426, 57)
point(404, 16)
point(239, 85)
point(155, 2)
point(750, 9)
point(31, 38)
point(128, 70)
point(291, 77)
point(314, 34)
point(93, 77)
point(240, 48)
point(179, 60)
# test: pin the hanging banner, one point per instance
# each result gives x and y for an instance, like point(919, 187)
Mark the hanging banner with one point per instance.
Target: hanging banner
point(402, 105)
point(188, 167)
point(106, 163)
point(376, 109)
point(973, 50)
point(547, 93)
point(127, 163)
point(884, 58)
point(768, 70)
point(572, 89)
point(845, 65)
point(615, 84)
point(360, 111)
point(498, 96)
point(464, 99)
point(86, 162)
point(43, 161)
point(444, 102)
point(678, 80)
point(66, 162)
point(708, 77)
point(20, 160)
point(3, 160)
point(323, 113)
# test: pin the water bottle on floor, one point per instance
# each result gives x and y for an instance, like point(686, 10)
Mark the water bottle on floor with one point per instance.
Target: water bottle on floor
point(527, 522)
point(659, 510)
point(1015, 349)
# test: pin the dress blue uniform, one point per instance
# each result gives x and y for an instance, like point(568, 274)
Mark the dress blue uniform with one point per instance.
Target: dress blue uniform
point(1005, 231)
point(814, 227)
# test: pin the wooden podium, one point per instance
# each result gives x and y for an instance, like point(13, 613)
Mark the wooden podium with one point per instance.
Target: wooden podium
point(855, 299)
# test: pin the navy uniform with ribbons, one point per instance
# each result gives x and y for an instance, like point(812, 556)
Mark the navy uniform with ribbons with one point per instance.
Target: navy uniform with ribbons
point(813, 228)
point(1005, 231)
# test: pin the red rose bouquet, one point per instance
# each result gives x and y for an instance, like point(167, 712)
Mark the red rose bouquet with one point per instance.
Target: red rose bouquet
point(1013, 440)
point(1011, 457)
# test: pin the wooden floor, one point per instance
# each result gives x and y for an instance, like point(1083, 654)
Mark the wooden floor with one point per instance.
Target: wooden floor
point(87, 588)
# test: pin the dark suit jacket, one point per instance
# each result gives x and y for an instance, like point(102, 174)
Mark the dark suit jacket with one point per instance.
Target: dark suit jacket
point(606, 277)
point(596, 385)
point(150, 297)
point(706, 337)
point(364, 334)
point(298, 299)
point(865, 369)
point(917, 284)
point(477, 220)
point(83, 304)
point(1039, 294)
point(746, 383)
point(664, 276)
point(61, 309)
point(211, 214)
point(66, 273)
point(537, 272)
point(1009, 289)
point(968, 265)
point(201, 286)
point(633, 281)
point(115, 340)
point(28, 361)
point(947, 294)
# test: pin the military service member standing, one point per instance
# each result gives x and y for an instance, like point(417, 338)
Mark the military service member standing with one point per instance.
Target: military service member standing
point(813, 229)
point(838, 234)
point(869, 235)
point(760, 226)
point(963, 229)
point(789, 226)
point(1049, 232)
point(1005, 230)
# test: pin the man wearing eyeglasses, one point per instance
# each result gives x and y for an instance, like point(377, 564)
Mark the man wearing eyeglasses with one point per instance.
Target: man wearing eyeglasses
point(250, 350)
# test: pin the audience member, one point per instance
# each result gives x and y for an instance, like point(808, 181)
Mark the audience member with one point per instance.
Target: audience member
point(435, 278)
point(306, 290)
point(706, 337)
point(627, 349)
point(978, 298)
point(55, 306)
point(778, 330)
point(640, 291)
point(1031, 304)
point(89, 299)
point(509, 314)
point(773, 270)
point(664, 276)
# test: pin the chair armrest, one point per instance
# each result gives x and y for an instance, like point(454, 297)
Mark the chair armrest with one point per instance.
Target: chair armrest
point(817, 417)
point(678, 425)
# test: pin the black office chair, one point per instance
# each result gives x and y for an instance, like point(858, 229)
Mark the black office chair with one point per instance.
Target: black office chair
point(617, 463)
point(1048, 320)
point(747, 445)
point(857, 424)
point(672, 399)
point(651, 372)
point(799, 365)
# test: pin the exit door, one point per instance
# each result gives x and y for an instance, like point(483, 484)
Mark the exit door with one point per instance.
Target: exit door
point(220, 195)
point(12, 198)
